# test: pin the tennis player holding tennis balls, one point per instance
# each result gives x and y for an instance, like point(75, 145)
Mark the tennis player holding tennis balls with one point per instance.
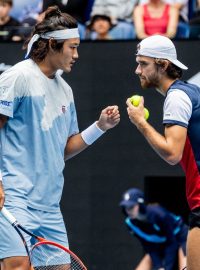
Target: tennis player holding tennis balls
point(39, 131)
point(158, 67)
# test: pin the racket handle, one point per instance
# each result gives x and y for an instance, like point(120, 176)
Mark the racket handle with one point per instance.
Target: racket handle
point(8, 215)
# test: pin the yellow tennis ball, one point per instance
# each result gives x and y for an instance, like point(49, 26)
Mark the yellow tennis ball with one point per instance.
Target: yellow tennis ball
point(146, 113)
point(135, 100)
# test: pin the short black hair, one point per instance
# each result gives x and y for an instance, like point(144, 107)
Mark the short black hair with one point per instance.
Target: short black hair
point(9, 2)
point(99, 17)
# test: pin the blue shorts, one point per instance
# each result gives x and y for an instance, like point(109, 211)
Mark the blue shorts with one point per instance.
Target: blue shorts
point(45, 224)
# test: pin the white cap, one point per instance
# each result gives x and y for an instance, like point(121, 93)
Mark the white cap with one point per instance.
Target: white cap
point(158, 46)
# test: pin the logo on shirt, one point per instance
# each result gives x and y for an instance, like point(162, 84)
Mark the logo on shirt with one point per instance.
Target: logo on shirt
point(5, 103)
point(63, 109)
point(3, 89)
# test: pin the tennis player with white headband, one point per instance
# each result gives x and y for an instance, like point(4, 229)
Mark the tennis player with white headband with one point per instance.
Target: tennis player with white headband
point(58, 35)
point(39, 131)
point(159, 67)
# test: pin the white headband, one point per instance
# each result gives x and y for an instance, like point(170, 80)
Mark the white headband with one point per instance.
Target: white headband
point(58, 34)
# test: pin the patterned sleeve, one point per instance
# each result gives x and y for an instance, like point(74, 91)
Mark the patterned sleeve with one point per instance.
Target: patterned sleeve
point(11, 89)
point(177, 108)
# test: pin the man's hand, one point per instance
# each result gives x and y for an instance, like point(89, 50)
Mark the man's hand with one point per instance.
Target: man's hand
point(136, 114)
point(109, 118)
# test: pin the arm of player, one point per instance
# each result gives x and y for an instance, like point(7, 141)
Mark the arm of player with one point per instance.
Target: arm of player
point(3, 120)
point(108, 119)
point(169, 146)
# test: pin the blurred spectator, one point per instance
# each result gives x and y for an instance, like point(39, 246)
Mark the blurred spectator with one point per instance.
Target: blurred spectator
point(76, 8)
point(120, 12)
point(195, 21)
point(155, 17)
point(31, 12)
point(183, 10)
point(9, 27)
point(181, 5)
point(99, 27)
point(196, 13)
point(28, 13)
point(24, 9)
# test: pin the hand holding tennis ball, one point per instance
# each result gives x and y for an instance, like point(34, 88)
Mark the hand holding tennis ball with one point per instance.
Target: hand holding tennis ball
point(135, 100)
point(146, 113)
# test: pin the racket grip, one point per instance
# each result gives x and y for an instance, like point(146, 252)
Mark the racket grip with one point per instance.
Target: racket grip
point(8, 215)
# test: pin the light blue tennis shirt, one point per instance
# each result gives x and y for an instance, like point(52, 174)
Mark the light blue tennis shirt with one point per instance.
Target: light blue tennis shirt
point(42, 117)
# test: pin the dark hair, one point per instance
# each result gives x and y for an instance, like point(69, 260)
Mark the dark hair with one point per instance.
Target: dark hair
point(172, 71)
point(99, 17)
point(53, 20)
point(9, 2)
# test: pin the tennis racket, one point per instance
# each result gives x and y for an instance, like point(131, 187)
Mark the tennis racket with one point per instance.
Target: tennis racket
point(44, 254)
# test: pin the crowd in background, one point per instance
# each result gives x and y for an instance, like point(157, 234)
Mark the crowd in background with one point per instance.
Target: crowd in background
point(106, 19)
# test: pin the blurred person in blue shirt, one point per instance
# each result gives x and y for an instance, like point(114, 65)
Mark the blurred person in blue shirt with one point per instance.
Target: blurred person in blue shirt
point(76, 8)
point(23, 9)
point(9, 26)
point(120, 12)
point(162, 233)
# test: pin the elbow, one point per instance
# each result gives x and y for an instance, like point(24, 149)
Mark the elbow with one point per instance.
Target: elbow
point(173, 159)
point(67, 156)
point(140, 34)
point(171, 34)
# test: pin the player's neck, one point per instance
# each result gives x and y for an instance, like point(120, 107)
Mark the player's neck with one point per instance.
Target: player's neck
point(165, 85)
point(48, 70)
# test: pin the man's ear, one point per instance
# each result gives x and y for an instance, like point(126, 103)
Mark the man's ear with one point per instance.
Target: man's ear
point(52, 44)
point(165, 64)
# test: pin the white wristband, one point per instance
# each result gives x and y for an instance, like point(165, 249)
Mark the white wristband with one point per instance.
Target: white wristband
point(0, 176)
point(91, 134)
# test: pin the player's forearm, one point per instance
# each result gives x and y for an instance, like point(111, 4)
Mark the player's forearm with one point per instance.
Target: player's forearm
point(79, 142)
point(74, 146)
point(159, 143)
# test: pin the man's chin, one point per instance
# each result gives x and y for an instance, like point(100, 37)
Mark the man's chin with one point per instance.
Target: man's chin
point(144, 85)
point(67, 70)
point(147, 85)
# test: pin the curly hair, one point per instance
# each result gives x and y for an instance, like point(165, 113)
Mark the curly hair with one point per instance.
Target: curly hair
point(53, 20)
point(172, 71)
